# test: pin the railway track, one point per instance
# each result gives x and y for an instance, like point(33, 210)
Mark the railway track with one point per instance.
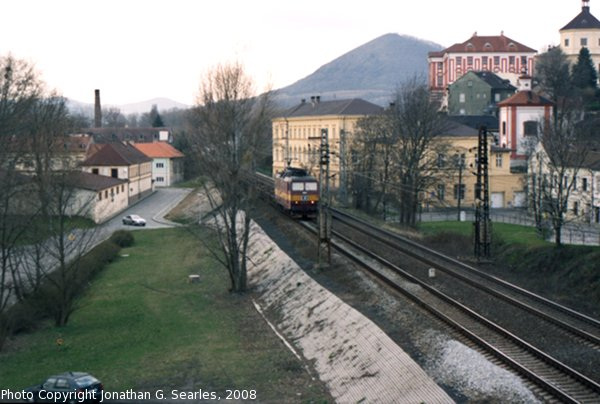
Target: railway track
point(556, 379)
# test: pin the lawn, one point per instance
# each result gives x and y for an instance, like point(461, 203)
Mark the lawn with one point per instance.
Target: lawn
point(142, 326)
point(508, 233)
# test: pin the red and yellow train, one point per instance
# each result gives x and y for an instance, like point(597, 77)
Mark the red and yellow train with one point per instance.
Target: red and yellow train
point(297, 192)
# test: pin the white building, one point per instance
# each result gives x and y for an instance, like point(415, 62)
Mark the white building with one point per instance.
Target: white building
point(167, 162)
point(582, 31)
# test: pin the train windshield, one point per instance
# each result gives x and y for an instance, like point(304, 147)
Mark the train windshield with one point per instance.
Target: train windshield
point(311, 186)
point(297, 186)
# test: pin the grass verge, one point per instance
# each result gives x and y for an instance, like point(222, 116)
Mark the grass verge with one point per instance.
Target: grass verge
point(142, 326)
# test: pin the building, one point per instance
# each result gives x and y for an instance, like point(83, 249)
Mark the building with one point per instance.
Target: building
point(167, 162)
point(123, 161)
point(582, 31)
point(477, 93)
point(500, 55)
point(97, 197)
point(520, 117)
point(581, 180)
point(297, 133)
point(461, 144)
point(138, 135)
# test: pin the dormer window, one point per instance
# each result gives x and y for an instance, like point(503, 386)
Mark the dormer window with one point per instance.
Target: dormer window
point(488, 47)
point(470, 47)
point(512, 47)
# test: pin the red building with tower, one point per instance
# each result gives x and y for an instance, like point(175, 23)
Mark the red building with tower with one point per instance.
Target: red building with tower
point(500, 54)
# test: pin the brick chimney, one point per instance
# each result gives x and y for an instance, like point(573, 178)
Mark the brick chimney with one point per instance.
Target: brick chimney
point(97, 110)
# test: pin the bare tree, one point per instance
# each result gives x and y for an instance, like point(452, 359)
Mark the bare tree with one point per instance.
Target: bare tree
point(229, 127)
point(416, 120)
point(560, 156)
point(20, 89)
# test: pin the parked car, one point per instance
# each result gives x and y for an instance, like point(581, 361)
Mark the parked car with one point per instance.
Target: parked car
point(134, 220)
point(68, 387)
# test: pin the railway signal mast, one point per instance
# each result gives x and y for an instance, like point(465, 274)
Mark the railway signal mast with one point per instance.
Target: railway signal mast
point(324, 218)
point(482, 224)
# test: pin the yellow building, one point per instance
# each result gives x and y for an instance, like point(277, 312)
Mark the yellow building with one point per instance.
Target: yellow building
point(582, 32)
point(296, 134)
point(506, 189)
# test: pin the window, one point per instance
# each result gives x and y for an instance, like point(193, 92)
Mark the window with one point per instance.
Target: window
point(574, 183)
point(95, 171)
point(462, 191)
point(567, 42)
point(499, 160)
point(504, 128)
point(160, 165)
point(160, 179)
point(470, 60)
point(461, 97)
point(583, 41)
point(584, 184)
point(311, 186)
point(524, 61)
point(122, 188)
point(497, 97)
point(297, 186)
point(441, 160)
point(470, 83)
point(484, 60)
point(99, 196)
point(441, 192)
point(576, 208)
point(497, 60)
point(114, 173)
point(62, 383)
point(511, 60)
point(530, 128)
point(459, 61)
point(106, 193)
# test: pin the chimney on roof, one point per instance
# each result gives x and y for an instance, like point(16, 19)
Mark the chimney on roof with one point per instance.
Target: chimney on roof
point(318, 99)
point(97, 110)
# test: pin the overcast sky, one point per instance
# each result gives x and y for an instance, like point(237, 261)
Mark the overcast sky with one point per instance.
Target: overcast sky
point(135, 50)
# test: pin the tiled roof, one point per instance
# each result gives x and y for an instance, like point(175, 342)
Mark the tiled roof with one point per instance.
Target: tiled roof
point(585, 20)
point(476, 121)
point(453, 128)
point(526, 98)
point(158, 150)
point(93, 182)
point(495, 81)
point(355, 106)
point(499, 43)
point(107, 135)
point(116, 154)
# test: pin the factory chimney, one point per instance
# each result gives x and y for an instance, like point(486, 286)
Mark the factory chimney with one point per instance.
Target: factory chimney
point(97, 110)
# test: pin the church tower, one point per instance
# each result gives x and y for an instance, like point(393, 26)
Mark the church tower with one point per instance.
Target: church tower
point(582, 31)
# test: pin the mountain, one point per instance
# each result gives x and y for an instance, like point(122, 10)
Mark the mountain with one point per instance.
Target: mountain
point(372, 71)
point(163, 104)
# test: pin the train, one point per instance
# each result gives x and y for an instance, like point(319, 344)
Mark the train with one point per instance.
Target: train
point(297, 192)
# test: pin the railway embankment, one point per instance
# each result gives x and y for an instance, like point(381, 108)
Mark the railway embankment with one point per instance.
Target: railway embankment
point(569, 274)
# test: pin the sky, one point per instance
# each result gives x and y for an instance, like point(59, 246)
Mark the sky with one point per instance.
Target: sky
point(137, 50)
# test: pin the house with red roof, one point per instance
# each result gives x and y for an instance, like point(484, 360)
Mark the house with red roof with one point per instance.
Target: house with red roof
point(122, 160)
point(167, 162)
point(520, 117)
point(498, 54)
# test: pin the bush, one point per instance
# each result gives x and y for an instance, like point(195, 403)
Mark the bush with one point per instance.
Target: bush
point(122, 238)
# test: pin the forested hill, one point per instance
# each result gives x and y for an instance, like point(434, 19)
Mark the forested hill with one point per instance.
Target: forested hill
point(372, 71)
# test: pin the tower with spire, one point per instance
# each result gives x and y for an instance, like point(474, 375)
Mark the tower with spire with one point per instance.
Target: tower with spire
point(582, 31)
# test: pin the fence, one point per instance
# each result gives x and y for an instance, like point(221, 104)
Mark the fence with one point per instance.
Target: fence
point(572, 233)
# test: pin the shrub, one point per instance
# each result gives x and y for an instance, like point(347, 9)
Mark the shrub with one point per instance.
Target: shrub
point(122, 238)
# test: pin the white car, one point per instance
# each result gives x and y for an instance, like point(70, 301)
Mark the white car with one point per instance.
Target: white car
point(134, 220)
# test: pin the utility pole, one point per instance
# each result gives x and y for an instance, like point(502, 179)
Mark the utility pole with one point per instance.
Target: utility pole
point(460, 195)
point(343, 168)
point(324, 220)
point(482, 225)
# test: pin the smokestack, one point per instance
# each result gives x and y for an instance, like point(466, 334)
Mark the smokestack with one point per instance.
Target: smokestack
point(97, 110)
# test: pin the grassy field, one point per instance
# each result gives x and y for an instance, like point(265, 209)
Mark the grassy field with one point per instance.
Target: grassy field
point(142, 326)
point(507, 233)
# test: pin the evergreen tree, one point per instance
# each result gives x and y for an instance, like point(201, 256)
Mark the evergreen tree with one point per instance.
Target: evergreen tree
point(584, 73)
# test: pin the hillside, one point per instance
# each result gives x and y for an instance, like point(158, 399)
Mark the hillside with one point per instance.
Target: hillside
point(163, 104)
point(372, 71)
